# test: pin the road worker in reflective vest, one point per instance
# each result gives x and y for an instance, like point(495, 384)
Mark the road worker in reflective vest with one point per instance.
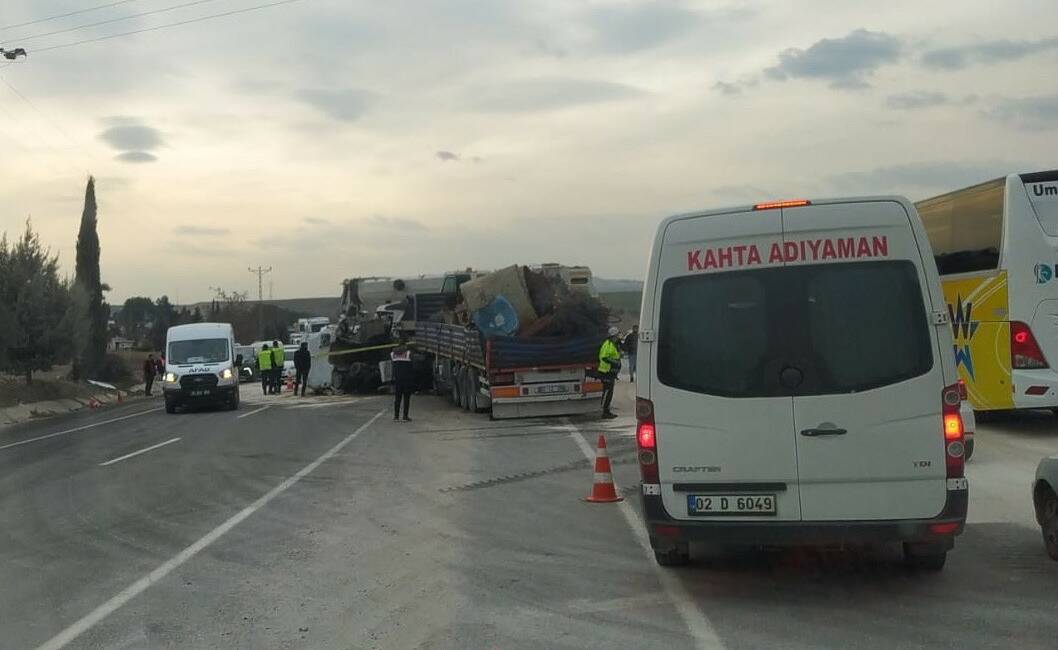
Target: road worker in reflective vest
point(278, 360)
point(609, 366)
point(264, 367)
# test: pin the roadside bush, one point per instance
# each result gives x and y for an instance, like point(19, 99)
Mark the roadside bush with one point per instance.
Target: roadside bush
point(114, 369)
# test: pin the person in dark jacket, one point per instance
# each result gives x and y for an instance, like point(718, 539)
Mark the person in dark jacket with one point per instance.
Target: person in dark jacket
point(302, 363)
point(402, 380)
point(629, 346)
point(149, 371)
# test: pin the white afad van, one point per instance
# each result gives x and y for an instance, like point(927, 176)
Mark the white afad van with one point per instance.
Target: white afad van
point(201, 366)
point(797, 383)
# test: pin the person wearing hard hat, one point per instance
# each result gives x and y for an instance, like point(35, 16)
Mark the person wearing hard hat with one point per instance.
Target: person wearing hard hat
point(609, 366)
point(264, 366)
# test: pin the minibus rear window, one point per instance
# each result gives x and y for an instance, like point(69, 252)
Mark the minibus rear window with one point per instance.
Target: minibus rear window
point(845, 327)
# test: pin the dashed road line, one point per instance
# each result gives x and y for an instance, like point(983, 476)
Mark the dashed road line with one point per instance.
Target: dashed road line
point(99, 614)
point(248, 414)
point(75, 429)
point(137, 453)
point(698, 624)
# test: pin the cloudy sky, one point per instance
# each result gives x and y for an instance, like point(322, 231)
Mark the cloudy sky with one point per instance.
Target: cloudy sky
point(335, 138)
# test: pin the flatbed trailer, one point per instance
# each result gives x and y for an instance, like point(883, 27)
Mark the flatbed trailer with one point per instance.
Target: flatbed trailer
point(514, 377)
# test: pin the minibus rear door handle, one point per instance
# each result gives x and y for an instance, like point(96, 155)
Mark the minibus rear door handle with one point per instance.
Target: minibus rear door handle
point(834, 431)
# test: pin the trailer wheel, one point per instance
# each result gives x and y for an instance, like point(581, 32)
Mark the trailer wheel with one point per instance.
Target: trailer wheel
point(337, 379)
point(471, 398)
point(475, 390)
point(456, 387)
point(464, 393)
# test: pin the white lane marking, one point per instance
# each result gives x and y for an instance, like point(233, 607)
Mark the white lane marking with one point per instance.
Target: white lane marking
point(246, 415)
point(137, 453)
point(76, 429)
point(100, 613)
point(697, 623)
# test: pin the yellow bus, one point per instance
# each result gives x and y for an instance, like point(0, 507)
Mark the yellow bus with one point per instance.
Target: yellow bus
point(996, 247)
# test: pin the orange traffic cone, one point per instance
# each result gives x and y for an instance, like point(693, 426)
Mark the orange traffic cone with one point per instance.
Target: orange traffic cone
point(603, 489)
point(121, 400)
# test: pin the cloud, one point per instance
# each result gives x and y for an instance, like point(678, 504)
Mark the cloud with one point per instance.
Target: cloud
point(916, 99)
point(1040, 112)
point(200, 231)
point(316, 221)
point(395, 222)
point(844, 62)
point(728, 88)
point(132, 137)
point(986, 52)
point(445, 156)
point(924, 178)
point(628, 28)
point(550, 93)
point(136, 157)
point(740, 193)
point(347, 105)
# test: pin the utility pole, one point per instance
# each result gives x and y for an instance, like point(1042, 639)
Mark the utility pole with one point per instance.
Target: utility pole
point(260, 271)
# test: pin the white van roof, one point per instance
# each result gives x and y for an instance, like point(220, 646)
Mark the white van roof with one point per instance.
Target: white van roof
point(199, 330)
point(752, 207)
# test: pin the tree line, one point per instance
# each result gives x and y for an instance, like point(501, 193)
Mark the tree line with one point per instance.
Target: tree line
point(145, 321)
point(47, 319)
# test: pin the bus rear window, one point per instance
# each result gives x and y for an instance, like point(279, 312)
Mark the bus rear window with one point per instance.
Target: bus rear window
point(846, 327)
point(965, 228)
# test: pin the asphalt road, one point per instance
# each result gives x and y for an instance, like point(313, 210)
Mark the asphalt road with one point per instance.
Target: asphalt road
point(320, 523)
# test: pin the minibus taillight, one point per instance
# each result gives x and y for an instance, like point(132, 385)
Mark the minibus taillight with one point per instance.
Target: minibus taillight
point(647, 441)
point(1025, 353)
point(954, 446)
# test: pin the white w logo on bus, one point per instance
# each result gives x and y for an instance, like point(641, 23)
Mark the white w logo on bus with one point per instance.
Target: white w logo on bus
point(963, 329)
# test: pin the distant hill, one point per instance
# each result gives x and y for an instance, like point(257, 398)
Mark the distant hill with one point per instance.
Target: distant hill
point(301, 306)
point(605, 285)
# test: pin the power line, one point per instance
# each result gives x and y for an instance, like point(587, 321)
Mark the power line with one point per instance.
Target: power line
point(167, 25)
point(23, 39)
point(41, 113)
point(68, 14)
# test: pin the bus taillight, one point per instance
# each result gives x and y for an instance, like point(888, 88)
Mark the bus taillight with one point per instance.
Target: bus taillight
point(1025, 353)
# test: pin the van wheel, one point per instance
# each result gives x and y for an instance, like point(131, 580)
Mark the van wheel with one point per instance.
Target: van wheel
point(233, 404)
point(679, 555)
point(969, 451)
point(1048, 510)
point(170, 406)
point(925, 557)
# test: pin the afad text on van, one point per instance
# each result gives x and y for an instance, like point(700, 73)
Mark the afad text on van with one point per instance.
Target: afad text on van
point(805, 250)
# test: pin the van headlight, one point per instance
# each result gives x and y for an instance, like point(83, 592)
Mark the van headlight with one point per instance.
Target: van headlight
point(225, 374)
point(170, 378)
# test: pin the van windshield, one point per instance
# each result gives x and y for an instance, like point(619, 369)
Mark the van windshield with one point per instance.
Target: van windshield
point(198, 351)
point(844, 327)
